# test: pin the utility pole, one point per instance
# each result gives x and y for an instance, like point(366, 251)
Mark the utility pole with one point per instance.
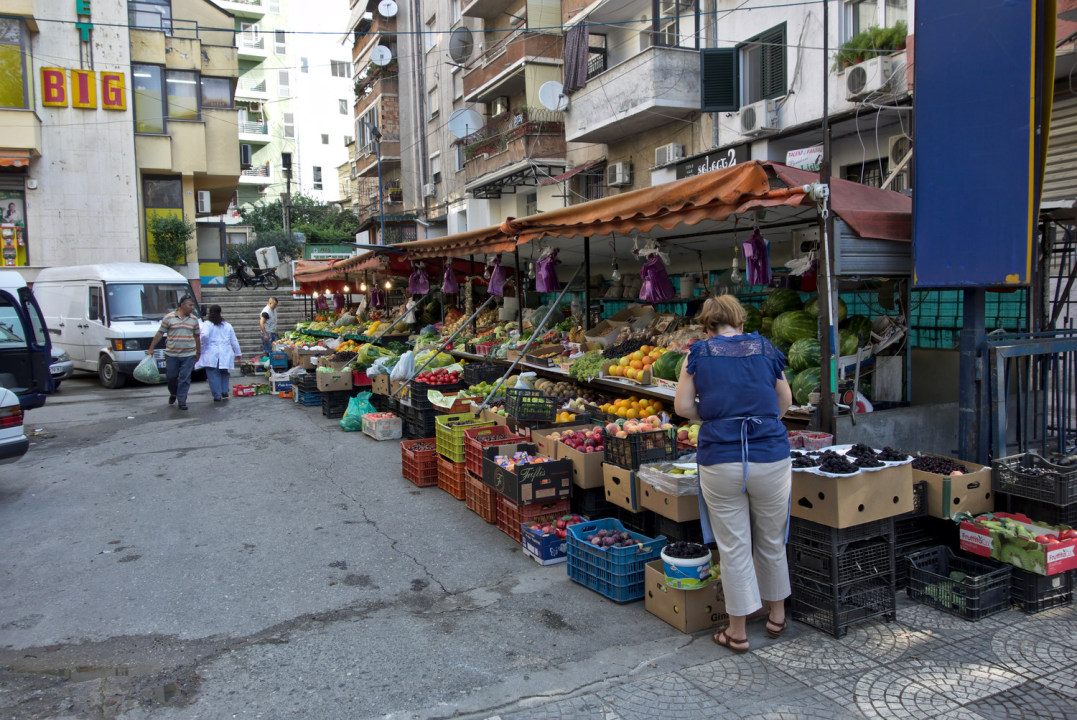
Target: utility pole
point(286, 167)
point(826, 227)
point(376, 135)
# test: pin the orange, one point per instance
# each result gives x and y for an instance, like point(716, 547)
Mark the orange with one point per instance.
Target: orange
point(637, 364)
point(615, 370)
point(657, 407)
point(645, 349)
point(632, 414)
point(630, 373)
point(648, 360)
point(624, 361)
point(637, 355)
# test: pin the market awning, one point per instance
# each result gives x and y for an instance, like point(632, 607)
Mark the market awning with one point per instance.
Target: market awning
point(313, 271)
point(363, 261)
point(14, 158)
point(471, 242)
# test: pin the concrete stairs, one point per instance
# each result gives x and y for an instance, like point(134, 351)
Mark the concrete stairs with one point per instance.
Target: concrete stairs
point(243, 308)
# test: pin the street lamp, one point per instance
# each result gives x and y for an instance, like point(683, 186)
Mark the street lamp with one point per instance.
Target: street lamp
point(375, 134)
point(286, 168)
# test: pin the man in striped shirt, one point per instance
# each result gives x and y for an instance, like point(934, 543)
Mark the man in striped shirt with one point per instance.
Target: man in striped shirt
point(182, 347)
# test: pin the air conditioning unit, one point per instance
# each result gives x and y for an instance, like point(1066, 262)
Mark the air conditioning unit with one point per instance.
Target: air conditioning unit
point(900, 145)
point(665, 154)
point(430, 190)
point(618, 174)
point(245, 153)
point(255, 107)
point(203, 202)
point(500, 105)
point(760, 118)
point(870, 76)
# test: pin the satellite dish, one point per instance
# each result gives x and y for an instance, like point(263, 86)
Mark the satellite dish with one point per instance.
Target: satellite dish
point(381, 55)
point(464, 121)
point(552, 96)
point(387, 8)
point(460, 45)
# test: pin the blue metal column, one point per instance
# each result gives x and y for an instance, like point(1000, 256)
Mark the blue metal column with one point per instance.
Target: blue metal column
point(972, 443)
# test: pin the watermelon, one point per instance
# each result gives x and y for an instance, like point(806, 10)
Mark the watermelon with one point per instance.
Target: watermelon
point(849, 342)
point(668, 365)
point(806, 382)
point(781, 301)
point(861, 326)
point(753, 319)
point(804, 354)
point(766, 328)
point(794, 325)
point(782, 345)
point(812, 308)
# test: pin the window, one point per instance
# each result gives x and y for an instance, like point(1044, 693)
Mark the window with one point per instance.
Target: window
point(530, 204)
point(342, 106)
point(325, 139)
point(289, 125)
point(150, 15)
point(597, 57)
point(149, 99)
point(284, 84)
point(250, 35)
point(459, 158)
point(280, 45)
point(317, 178)
point(363, 130)
point(871, 173)
point(348, 140)
point(593, 182)
point(339, 68)
point(303, 66)
point(182, 87)
point(435, 168)
point(216, 92)
point(455, 6)
point(457, 84)
point(863, 14)
point(96, 309)
point(762, 66)
point(676, 23)
point(432, 99)
point(14, 79)
point(428, 37)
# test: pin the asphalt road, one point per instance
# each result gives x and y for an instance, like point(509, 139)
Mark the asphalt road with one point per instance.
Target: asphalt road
point(250, 559)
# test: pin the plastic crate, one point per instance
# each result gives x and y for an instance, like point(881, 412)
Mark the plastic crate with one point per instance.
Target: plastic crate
point(480, 372)
point(524, 404)
point(815, 440)
point(419, 399)
point(617, 573)
point(858, 561)
point(335, 403)
point(278, 361)
point(510, 515)
point(919, 501)
point(451, 477)
point(480, 498)
point(642, 522)
point(835, 609)
point(1041, 512)
point(1057, 484)
point(311, 399)
point(687, 531)
point(810, 534)
point(243, 390)
point(380, 402)
point(1035, 593)
point(984, 591)
point(592, 503)
point(451, 439)
point(632, 451)
point(306, 382)
point(419, 466)
point(476, 438)
point(901, 567)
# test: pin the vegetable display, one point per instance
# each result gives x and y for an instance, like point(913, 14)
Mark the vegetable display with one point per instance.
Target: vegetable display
point(587, 366)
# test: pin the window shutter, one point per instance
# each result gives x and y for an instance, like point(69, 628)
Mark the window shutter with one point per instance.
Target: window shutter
point(720, 86)
point(773, 52)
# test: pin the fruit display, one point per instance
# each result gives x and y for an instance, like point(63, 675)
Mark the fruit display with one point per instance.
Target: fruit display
point(860, 325)
point(689, 433)
point(794, 325)
point(586, 441)
point(1023, 545)
point(781, 301)
point(804, 384)
point(632, 365)
point(938, 465)
point(587, 366)
point(564, 416)
point(441, 376)
point(342, 356)
point(485, 388)
point(633, 427)
point(812, 308)
point(685, 550)
point(558, 528)
point(511, 462)
point(804, 353)
point(632, 407)
point(753, 319)
point(606, 539)
point(668, 365)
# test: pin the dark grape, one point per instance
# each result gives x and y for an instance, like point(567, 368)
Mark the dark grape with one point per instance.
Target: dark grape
point(685, 550)
point(838, 465)
point(861, 451)
point(806, 461)
point(937, 465)
point(869, 462)
point(889, 454)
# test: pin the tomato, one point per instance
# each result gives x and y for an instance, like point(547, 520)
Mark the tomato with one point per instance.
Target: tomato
point(1042, 539)
point(1068, 535)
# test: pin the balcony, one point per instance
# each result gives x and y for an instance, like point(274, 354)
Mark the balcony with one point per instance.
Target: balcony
point(260, 175)
point(383, 90)
point(253, 131)
point(244, 8)
point(485, 9)
point(514, 145)
point(500, 70)
point(635, 96)
point(252, 89)
point(251, 48)
point(366, 157)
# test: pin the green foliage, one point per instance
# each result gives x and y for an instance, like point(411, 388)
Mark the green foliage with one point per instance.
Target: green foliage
point(287, 248)
point(170, 235)
point(870, 43)
point(317, 220)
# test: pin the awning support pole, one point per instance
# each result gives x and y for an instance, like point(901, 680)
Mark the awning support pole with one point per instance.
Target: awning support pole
point(538, 331)
point(827, 347)
point(521, 290)
point(587, 283)
point(403, 315)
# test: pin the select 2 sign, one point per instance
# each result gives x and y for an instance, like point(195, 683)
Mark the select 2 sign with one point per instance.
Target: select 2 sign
point(81, 91)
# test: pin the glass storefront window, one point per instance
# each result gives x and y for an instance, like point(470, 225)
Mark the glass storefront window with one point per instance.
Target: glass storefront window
point(14, 88)
point(149, 99)
point(182, 88)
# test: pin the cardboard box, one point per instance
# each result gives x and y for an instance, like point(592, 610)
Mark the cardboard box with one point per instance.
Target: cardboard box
point(586, 467)
point(540, 482)
point(308, 359)
point(622, 487)
point(496, 418)
point(280, 382)
point(383, 426)
point(679, 508)
point(687, 610)
point(402, 396)
point(545, 549)
point(324, 361)
point(549, 447)
point(536, 350)
point(330, 380)
point(949, 494)
point(644, 377)
point(1035, 557)
point(380, 385)
point(604, 333)
point(861, 498)
point(639, 317)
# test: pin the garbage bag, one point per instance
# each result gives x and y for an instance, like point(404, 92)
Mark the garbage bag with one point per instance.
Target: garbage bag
point(353, 416)
point(146, 371)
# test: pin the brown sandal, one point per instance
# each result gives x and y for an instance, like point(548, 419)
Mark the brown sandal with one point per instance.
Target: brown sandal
point(775, 634)
point(737, 646)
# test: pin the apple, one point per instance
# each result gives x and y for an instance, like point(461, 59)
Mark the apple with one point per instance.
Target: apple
point(612, 428)
point(622, 434)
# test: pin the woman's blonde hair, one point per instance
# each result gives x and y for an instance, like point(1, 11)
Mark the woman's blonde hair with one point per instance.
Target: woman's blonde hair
point(722, 310)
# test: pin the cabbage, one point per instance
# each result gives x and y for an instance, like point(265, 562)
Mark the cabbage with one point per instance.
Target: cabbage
point(441, 360)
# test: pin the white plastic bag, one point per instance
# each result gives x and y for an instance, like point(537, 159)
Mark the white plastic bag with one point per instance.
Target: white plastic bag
point(526, 381)
point(405, 367)
point(146, 371)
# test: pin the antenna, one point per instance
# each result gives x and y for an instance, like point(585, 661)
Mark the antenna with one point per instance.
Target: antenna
point(552, 96)
point(387, 8)
point(381, 55)
point(463, 122)
point(460, 45)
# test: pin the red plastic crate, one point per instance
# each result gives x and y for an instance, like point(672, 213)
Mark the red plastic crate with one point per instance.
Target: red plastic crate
point(481, 498)
point(419, 466)
point(475, 439)
point(510, 515)
point(452, 478)
point(360, 379)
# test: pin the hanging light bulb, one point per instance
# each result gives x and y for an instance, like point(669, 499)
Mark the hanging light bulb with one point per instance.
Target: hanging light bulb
point(314, 294)
point(616, 274)
point(327, 293)
point(362, 286)
point(347, 289)
point(531, 270)
point(388, 285)
point(734, 274)
point(486, 275)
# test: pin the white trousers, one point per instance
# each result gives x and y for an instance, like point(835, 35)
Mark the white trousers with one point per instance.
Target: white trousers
point(749, 523)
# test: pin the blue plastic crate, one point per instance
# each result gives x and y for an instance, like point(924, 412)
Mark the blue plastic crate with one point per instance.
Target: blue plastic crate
point(278, 361)
point(308, 398)
point(617, 573)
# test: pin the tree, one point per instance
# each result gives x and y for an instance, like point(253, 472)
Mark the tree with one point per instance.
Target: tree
point(317, 220)
point(169, 235)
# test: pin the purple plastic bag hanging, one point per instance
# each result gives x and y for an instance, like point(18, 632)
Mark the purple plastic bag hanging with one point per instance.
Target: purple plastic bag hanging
point(657, 286)
point(449, 286)
point(418, 283)
point(377, 298)
point(338, 302)
point(546, 273)
point(320, 303)
point(496, 285)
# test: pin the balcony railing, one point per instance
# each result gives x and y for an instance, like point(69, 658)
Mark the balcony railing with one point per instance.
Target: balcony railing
point(257, 173)
point(247, 43)
point(251, 87)
point(495, 136)
point(253, 128)
point(510, 54)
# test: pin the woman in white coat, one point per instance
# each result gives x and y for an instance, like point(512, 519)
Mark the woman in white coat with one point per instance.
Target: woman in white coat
point(220, 352)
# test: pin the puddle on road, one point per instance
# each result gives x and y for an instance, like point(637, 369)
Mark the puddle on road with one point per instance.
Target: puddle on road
point(83, 673)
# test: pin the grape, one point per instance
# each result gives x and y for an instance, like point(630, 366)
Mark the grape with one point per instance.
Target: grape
point(861, 451)
point(685, 550)
point(869, 462)
point(889, 454)
point(838, 465)
point(937, 465)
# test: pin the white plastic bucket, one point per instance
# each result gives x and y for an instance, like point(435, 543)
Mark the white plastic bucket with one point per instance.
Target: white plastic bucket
point(687, 574)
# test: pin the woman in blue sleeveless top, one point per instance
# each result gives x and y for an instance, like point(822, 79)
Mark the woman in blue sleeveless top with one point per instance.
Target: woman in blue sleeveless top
point(744, 468)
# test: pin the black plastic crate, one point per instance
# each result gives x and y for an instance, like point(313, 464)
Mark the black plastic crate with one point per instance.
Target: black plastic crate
point(812, 534)
point(380, 402)
point(687, 531)
point(417, 423)
point(858, 561)
point(420, 401)
point(1035, 593)
point(335, 403)
point(919, 502)
point(834, 609)
point(901, 567)
point(311, 399)
point(307, 382)
point(592, 503)
point(1040, 511)
point(917, 531)
point(970, 589)
point(480, 372)
point(524, 404)
point(1030, 476)
point(639, 448)
point(641, 522)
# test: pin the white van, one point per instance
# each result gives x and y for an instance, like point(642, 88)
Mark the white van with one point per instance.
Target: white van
point(105, 315)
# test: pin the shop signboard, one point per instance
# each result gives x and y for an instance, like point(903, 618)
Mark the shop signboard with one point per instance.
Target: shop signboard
point(810, 158)
point(714, 160)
